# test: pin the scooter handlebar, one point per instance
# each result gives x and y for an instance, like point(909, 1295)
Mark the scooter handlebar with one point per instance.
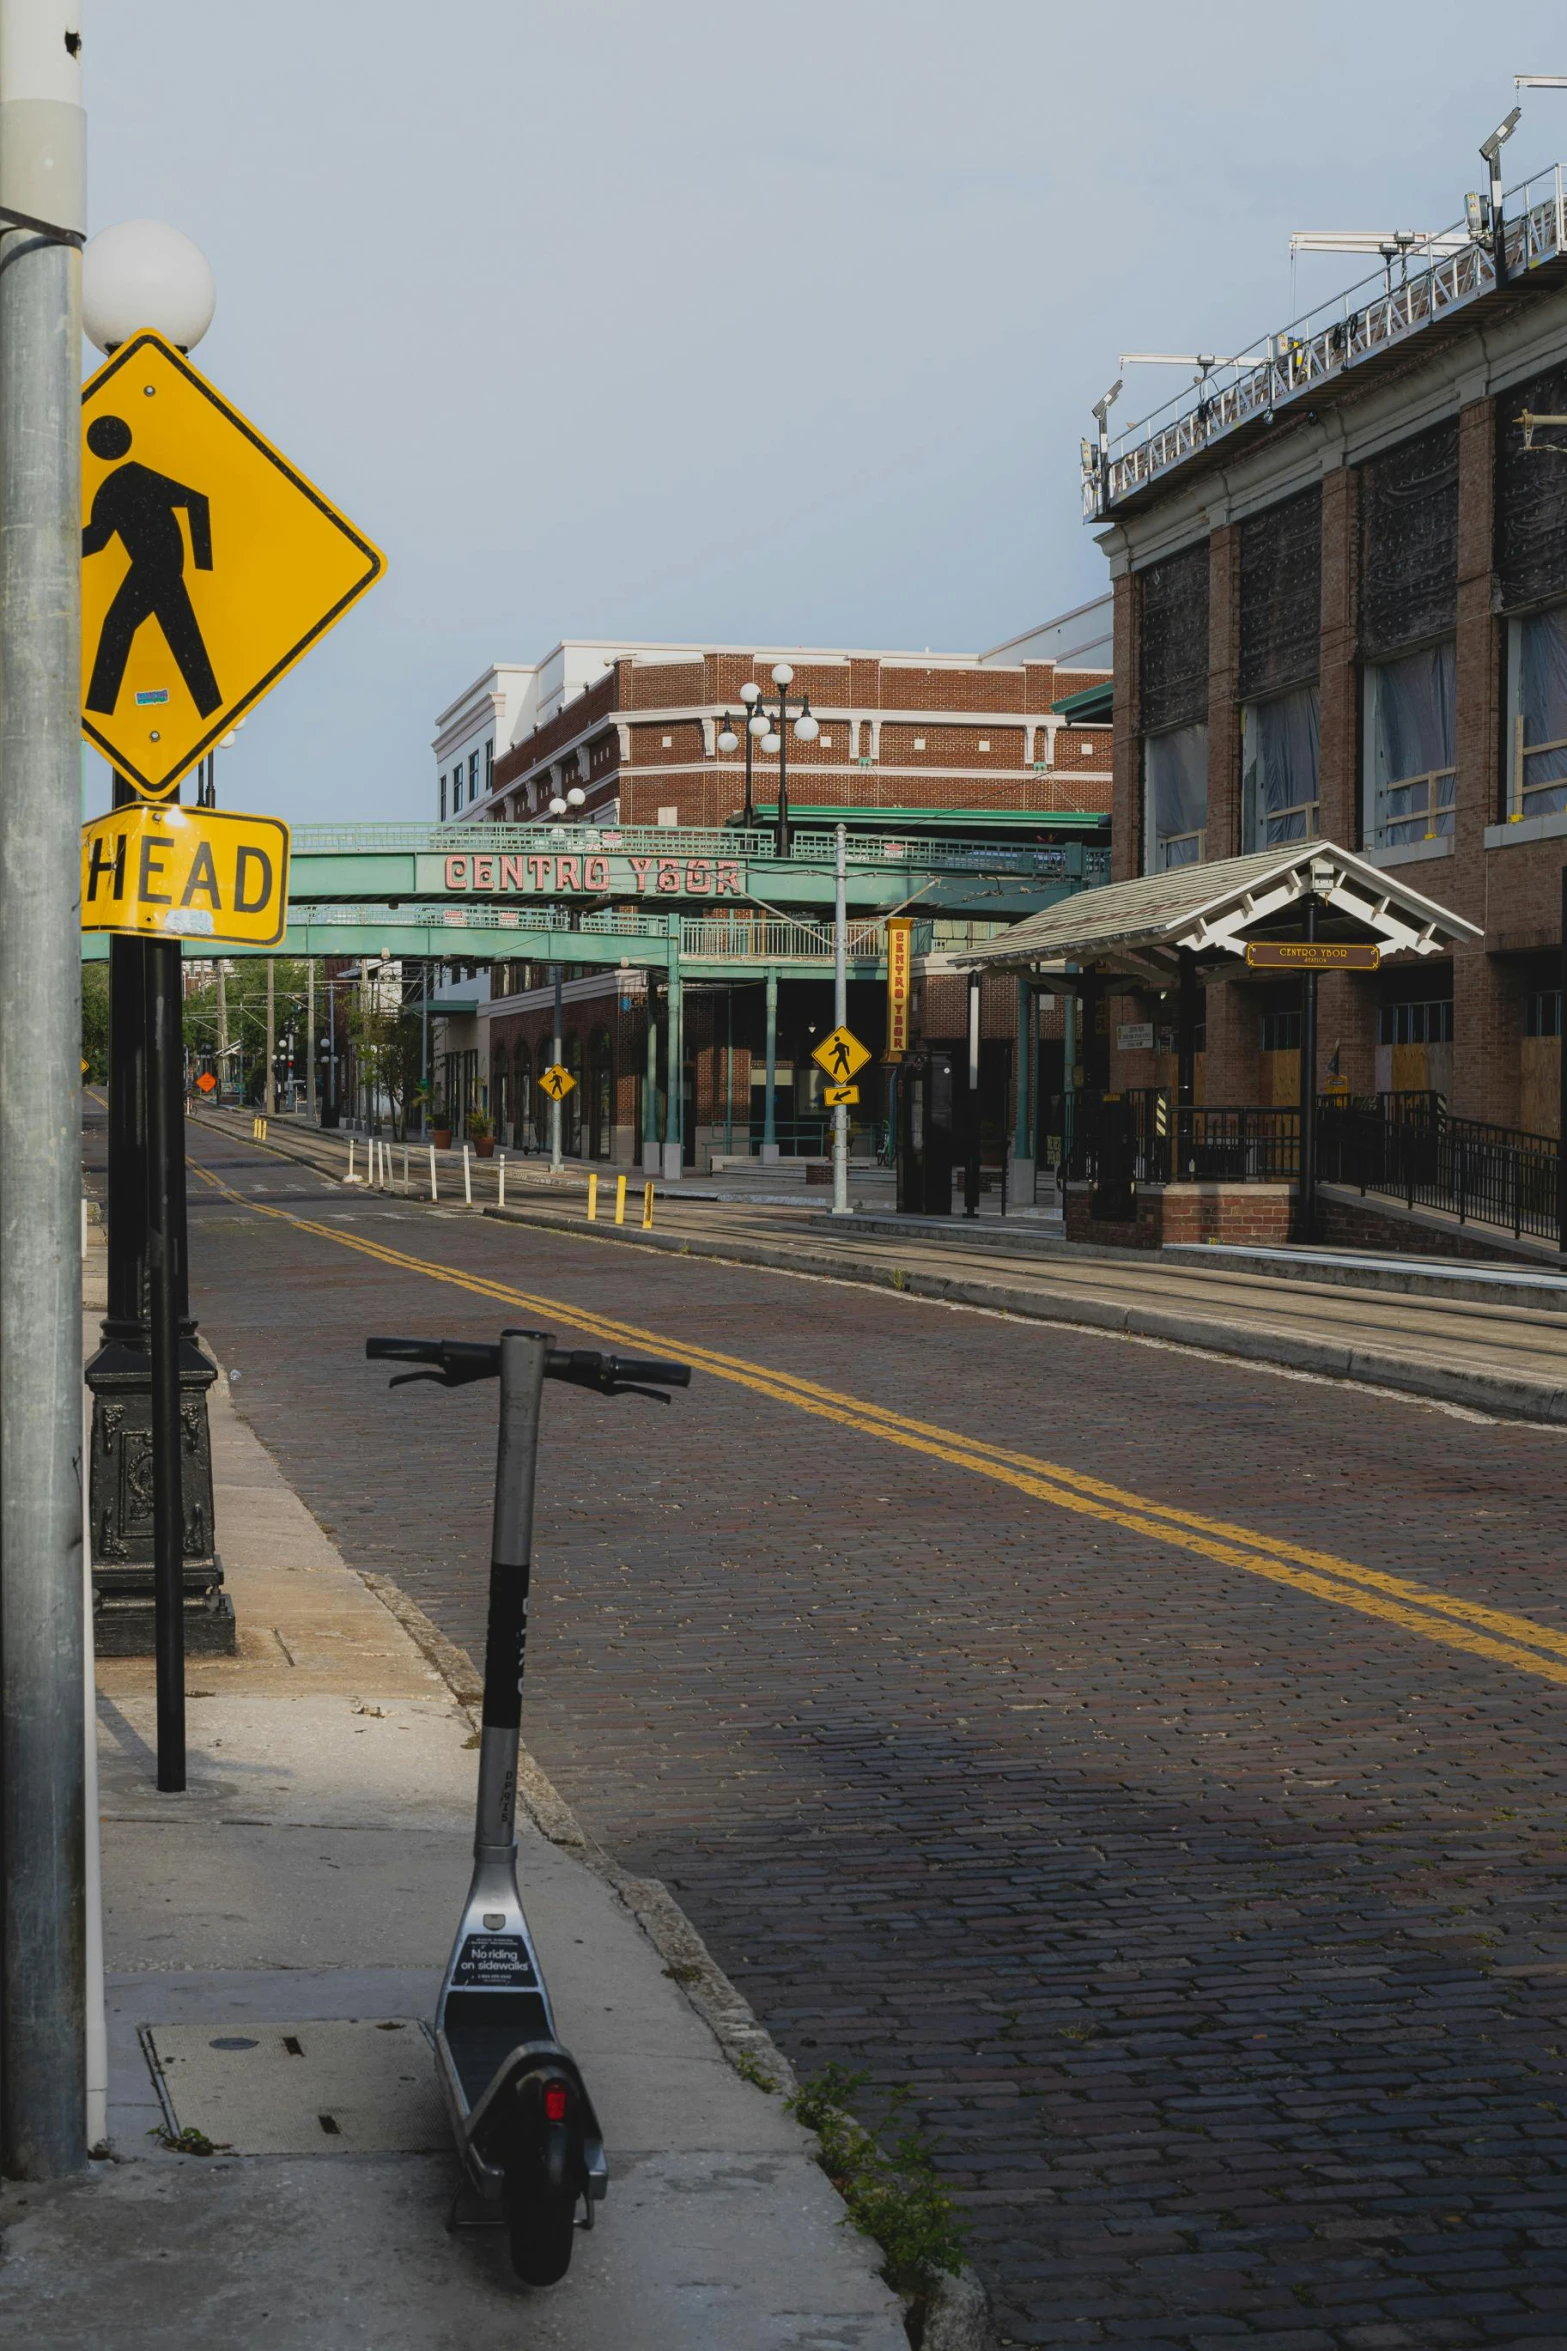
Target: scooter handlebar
point(456, 1362)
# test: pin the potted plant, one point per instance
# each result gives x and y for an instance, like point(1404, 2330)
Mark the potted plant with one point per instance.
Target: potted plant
point(441, 1127)
point(481, 1134)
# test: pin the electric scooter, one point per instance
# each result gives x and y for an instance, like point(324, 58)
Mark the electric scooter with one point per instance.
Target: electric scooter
point(525, 2128)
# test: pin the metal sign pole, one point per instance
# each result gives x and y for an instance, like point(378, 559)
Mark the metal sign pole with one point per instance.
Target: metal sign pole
point(165, 1157)
point(1561, 1112)
point(1308, 1090)
point(840, 1016)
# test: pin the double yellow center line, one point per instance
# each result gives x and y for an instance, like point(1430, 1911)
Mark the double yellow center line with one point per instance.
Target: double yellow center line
point(1469, 1625)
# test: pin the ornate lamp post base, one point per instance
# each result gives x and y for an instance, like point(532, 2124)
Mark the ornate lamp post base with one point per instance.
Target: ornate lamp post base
point(120, 1500)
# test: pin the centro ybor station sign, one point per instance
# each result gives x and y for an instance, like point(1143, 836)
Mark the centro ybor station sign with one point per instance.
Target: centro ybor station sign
point(616, 875)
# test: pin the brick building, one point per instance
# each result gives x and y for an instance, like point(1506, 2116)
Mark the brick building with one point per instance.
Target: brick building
point(1012, 745)
point(1340, 581)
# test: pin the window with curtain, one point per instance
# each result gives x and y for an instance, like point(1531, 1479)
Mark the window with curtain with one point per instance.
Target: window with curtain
point(1175, 788)
point(1411, 720)
point(1279, 769)
point(1537, 703)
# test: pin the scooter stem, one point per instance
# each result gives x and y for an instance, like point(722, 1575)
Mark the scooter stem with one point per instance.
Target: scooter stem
point(523, 1356)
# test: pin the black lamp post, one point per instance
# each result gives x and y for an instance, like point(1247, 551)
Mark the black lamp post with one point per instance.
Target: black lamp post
point(769, 726)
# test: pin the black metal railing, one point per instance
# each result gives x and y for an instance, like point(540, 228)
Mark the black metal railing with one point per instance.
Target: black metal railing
point(1403, 1146)
point(1409, 1147)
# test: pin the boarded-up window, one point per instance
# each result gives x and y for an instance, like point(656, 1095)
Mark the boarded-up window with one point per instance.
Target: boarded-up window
point(1281, 595)
point(1174, 665)
point(1531, 496)
point(1409, 542)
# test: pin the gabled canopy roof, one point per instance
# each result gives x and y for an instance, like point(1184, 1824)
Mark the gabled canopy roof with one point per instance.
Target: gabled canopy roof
point(1139, 927)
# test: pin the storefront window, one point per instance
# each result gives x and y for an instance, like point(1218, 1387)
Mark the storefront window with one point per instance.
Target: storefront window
point(1537, 702)
point(1175, 785)
point(1411, 717)
point(1279, 769)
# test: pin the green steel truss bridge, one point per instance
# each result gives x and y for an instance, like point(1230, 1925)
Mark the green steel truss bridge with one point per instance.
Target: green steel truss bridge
point(700, 902)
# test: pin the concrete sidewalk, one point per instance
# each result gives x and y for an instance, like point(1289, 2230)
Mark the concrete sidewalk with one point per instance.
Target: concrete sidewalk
point(275, 1939)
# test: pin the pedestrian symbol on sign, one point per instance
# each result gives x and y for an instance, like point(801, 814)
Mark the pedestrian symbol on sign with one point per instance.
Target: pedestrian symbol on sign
point(141, 509)
point(557, 1081)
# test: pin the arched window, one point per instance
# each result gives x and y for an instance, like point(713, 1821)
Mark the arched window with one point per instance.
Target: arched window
point(571, 1108)
point(601, 1095)
point(522, 1106)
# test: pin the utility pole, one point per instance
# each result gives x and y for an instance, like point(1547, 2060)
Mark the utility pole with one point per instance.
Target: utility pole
point(556, 1161)
point(43, 2073)
point(269, 1094)
point(223, 1028)
point(840, 1016)
point(310, 1038)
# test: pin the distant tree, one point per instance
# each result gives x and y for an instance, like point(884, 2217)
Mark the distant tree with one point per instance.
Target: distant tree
point(95, 1022)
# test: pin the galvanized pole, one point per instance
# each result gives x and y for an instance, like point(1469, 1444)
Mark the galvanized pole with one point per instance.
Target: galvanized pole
point(165, 1165)
point(269, 1089)
point(310, 1037)
point(840, 1014)
point(556, 1162)
point(223, 1025)
point(650, 1150)
point(43, 2080)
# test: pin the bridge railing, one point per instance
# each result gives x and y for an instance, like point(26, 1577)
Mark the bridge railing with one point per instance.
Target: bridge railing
point(1061, 860)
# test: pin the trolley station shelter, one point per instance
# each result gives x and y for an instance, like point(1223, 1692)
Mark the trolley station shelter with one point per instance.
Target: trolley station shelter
point(1143, 965)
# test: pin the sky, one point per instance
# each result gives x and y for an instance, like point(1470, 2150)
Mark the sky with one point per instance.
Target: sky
point(741, 324)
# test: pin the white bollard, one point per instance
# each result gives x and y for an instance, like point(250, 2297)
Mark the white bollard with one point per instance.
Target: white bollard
point(467, 1176)
point(405, 1163)
point(500, 1178)
point(348, 1179)
point(434, 1194)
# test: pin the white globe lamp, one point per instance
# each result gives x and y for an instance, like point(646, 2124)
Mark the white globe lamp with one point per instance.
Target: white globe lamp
point(750, 691)
point(783, 675)
point(576, 797)
point(760, 726)
point(557, 806)
point(729, 740)
point(770, 742)
point(806, 729)
point(142, 273)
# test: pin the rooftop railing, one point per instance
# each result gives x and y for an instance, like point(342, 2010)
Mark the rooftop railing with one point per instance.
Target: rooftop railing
point(1367, 320)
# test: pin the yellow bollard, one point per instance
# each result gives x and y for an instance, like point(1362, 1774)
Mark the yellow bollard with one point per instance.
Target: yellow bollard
point(620, 1199)
point(647, 1208)
point(593, 1199)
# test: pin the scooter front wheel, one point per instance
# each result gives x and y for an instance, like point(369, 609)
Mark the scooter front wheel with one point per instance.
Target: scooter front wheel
point(541, 2221)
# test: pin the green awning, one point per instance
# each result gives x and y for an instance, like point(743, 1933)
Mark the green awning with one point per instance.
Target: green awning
point(1093, 706)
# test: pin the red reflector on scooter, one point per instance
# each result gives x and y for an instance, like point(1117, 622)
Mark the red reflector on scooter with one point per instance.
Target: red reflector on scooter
point(554, 2101)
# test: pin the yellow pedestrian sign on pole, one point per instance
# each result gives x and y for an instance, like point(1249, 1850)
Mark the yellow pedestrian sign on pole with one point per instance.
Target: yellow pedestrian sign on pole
point(186, 873)
point(210, 565)
point(557, 1081)
point(841, 1055)
point(840, 1096)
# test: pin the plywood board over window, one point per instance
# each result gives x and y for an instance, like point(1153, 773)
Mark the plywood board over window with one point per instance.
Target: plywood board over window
point(1173, 670)
point(1531, 496)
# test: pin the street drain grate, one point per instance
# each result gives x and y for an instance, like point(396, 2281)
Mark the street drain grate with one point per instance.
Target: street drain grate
point(360, 2086)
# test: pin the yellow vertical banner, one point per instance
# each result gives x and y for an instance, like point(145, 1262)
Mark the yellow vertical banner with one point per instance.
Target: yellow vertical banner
point(900, 970)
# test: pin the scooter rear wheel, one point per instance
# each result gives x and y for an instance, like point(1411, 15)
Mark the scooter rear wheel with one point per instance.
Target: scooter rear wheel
point(541, 2220)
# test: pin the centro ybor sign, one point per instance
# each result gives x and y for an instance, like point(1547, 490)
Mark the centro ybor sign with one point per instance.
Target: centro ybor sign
point(544, 875)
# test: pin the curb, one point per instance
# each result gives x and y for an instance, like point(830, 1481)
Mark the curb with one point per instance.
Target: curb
point(1511, 1397)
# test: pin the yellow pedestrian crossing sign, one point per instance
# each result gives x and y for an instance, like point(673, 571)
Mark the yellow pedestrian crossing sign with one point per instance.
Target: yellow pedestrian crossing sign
point(557, 1081)
point(210, 565)
point(841, 1055)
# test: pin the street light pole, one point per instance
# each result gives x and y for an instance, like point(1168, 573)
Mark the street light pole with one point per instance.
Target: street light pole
point(840, 1014)
point(557, 1164)
point(43, 2081)
point(770, 728)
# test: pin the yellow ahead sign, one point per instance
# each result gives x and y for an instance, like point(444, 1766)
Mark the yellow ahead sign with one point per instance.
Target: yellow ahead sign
point(209, 564)
point(841, 1055)
point(186, 873)
point(557, 1081)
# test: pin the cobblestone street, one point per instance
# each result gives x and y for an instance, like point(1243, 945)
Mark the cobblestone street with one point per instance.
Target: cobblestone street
point(1206, 1893)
